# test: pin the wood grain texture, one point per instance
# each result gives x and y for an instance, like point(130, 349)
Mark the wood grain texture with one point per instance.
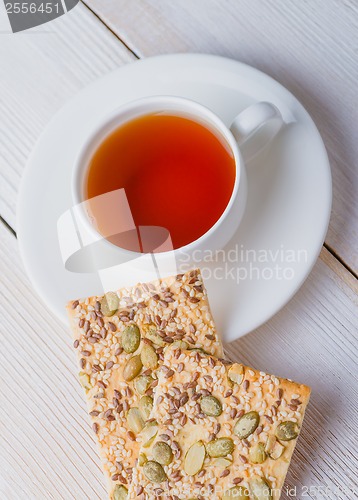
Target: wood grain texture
point(308, 46)
point(47, 450)
point(41, 70)
point(46, 447)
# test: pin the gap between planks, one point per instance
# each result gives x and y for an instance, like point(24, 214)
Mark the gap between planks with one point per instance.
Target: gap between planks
point(112, 31)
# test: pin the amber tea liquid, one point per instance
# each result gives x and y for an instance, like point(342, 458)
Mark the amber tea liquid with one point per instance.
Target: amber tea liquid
point(177, 174)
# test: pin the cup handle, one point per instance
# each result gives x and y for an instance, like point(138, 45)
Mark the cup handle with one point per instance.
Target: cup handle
point(255, 127)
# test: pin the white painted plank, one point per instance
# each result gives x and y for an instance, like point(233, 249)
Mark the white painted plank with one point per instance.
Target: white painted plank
point(40, 70)
point(47, 451)
point(308, 46)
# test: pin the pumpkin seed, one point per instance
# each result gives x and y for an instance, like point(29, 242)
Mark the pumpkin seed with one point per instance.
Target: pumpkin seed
point(162, 453)
point(194, 458)
point(270, 443)
point(274, 448)
point(120, 492)
point(257, 454)
point(287, 431)
point(238, 492)
point(85, 381)
point(211, 406)
point(181, 344)
point(109, 304)
point(132, 368)
point(145, 406)
point(142, 383)
point(277, 451)
point(148, 433)
point(260, 489)
point(131, 338)
point(152, 334)
point(220, 447)
point(236, 373)
point(247, 424)
point(134, 420)
point(142, 459)
point(149, 357)
point(154, 472)
point(222, 463)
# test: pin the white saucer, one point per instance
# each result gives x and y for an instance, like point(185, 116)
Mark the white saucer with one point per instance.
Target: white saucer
point(289, 189)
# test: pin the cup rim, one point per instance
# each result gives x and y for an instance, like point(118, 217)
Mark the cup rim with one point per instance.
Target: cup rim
point(110, 121)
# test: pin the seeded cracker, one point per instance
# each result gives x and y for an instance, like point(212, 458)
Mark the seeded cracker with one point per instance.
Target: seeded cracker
point(119, 339)
point(223, 431)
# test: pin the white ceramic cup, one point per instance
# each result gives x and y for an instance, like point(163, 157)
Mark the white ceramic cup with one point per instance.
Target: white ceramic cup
point(251, 131)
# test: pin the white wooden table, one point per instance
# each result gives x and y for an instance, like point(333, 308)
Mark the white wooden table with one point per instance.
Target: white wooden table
point(46, 446)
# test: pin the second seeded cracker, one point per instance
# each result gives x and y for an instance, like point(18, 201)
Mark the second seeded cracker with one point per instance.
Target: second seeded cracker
point(221, 431)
